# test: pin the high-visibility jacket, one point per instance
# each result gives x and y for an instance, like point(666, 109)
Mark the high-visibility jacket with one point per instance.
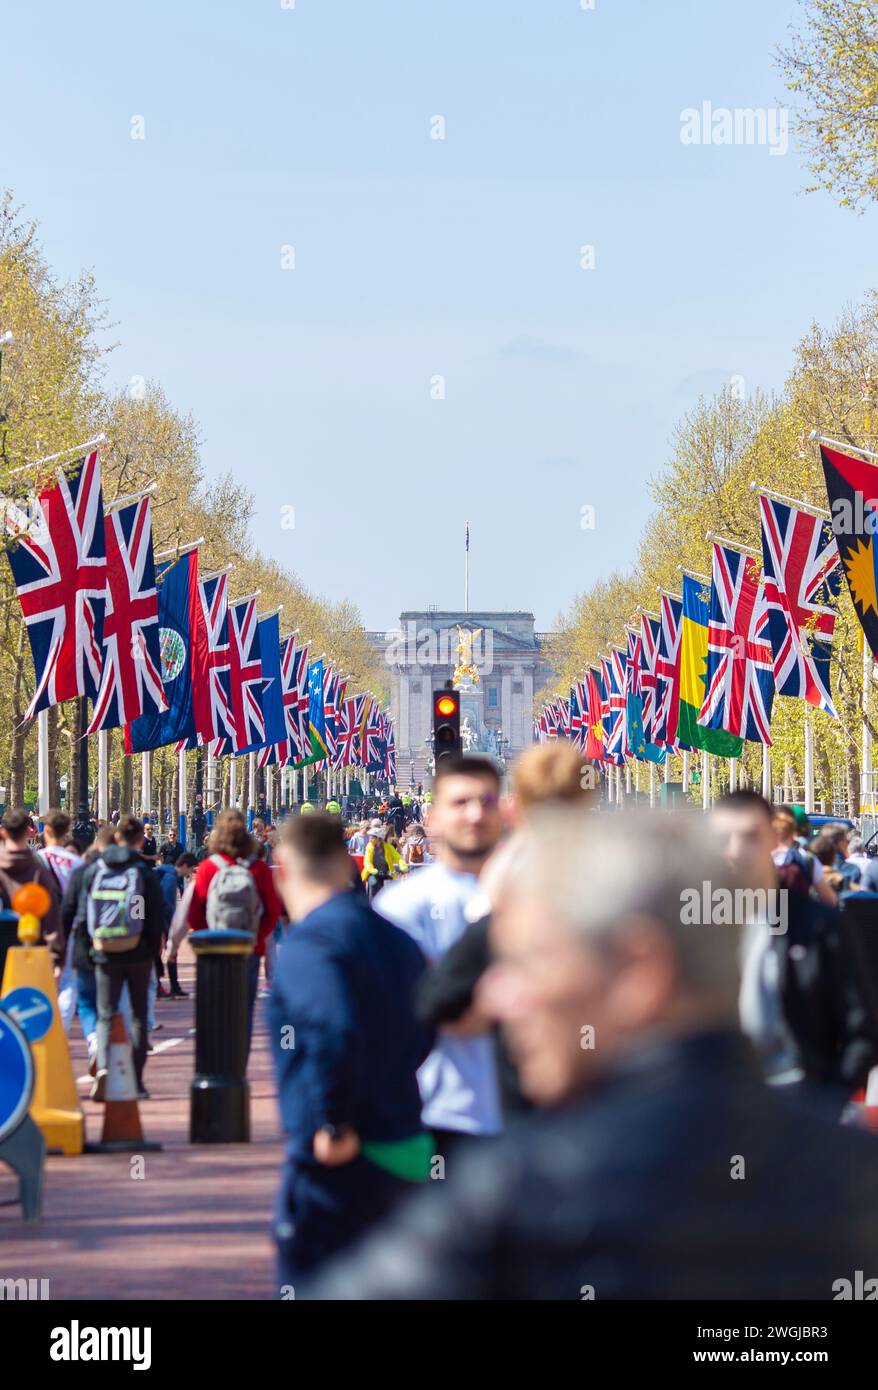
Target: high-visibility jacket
point(394, 861)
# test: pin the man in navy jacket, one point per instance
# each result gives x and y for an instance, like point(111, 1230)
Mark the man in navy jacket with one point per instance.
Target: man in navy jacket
point(347, 1049)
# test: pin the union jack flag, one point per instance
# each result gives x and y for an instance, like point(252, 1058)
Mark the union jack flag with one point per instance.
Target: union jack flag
point(740, 683)
point(650, 629)
point(390, 753)
point(578, 707)
point(245, 679)
point(613, 712)
point(213, 594)
point(131, 680)
point(667, 670)
point(562, 717)
point(350, 717)
point(294, 683)
point(802, 583)
point(370, 733)
point(59, 567)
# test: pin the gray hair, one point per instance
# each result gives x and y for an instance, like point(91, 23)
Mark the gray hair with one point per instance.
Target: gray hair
point(594, 874)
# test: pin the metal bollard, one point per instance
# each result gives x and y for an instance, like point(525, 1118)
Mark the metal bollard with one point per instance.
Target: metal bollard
point(219, 1111)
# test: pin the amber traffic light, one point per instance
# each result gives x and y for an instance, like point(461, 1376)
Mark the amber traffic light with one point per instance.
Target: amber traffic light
point(446, 724)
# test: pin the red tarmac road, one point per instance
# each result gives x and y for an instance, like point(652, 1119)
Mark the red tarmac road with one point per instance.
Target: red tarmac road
point(197, 1225)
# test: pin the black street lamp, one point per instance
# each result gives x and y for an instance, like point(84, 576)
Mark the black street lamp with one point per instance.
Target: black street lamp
point(83, 830)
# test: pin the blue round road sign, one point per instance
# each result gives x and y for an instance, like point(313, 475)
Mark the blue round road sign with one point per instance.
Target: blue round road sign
point(31, 1009)
point(16, 1075)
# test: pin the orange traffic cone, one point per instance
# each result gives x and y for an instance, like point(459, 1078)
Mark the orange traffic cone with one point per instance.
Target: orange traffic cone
point(122, 1130)
point(867, 1102)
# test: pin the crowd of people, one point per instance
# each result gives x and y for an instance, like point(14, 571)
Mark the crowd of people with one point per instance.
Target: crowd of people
point(522, 1065)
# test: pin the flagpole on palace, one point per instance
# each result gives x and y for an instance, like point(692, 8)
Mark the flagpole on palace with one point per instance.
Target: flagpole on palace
point(466, 572)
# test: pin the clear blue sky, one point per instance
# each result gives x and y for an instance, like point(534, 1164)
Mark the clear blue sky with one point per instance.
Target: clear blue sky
point(267, 127)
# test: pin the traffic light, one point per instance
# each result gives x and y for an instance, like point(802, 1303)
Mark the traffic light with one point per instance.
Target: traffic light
point(446, 724)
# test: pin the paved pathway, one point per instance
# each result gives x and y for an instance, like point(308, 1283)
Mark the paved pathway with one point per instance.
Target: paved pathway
point(196, 1226)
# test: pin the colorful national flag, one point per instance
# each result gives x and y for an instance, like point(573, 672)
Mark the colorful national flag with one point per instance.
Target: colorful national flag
point(639, 742)
point(694, 625)
point(852, 486)
point(58, 562)
point(594, 731)
point(181, 636)
point(131, 680)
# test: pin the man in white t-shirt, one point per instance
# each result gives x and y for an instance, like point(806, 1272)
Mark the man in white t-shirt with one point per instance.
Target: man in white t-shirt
point(458, 1081)
point(62, 861)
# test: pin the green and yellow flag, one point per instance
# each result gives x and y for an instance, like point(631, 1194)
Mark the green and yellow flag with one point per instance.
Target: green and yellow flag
point(693, 675)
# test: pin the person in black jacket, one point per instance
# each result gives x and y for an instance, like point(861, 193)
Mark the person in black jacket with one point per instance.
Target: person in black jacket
point(801, 1000)
point(133, 966)
point(661, 1167)
point(347, 1049)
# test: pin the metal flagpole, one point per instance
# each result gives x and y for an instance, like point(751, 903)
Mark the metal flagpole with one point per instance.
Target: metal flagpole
point(766, 773)
point(790, 501)
point(251, 789)
point(181, 796)
point(62, 453)
point(841, 444)
point(211, 785)
point(705, 780)
point(145, 784)
point(103, 776)
point(652, 784)
point(685, 770)
point(866, 795)
point(233, 782)
point(809, 760)
point(42, 763)
point(733, 774)
point(466, 573)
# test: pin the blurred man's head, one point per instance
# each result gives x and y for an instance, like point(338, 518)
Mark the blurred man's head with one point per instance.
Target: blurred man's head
point(593, 954)
point(56, 827)
point(785, 826)
point(130, 831)
point(552, 772)
point(16, 826)
point(465, 816)
point(743, 825)
point(312, 862)
point(185, 865)
point(838, 835)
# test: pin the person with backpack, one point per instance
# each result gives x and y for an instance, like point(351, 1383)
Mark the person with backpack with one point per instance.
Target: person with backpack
point(234, 890)
point(18, 865)
point(119, 907)
point(798, 870)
